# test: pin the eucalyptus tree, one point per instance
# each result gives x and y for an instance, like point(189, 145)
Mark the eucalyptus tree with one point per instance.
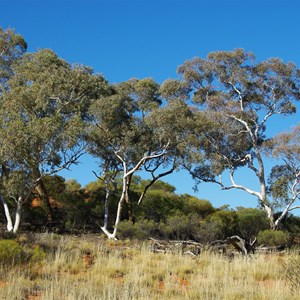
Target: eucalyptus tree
point(12, 47)
point(238, 97)
point(126, 135)
point(42, 123)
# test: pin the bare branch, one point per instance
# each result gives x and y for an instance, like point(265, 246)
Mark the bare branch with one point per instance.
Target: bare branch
point(294, 207)
point(241, 187)
point(154, 179)
point(146, 158)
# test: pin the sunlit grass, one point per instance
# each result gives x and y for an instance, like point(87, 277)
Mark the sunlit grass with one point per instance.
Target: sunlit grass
point(85, 268)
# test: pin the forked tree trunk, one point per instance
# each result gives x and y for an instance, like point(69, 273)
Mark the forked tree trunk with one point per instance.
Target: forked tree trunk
point(10, 226)
point(269, 213)
point(18, 215)
point(127, 176)
point(119, 210)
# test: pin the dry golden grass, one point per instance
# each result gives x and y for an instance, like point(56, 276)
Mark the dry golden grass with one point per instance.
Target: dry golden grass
point(85, 268)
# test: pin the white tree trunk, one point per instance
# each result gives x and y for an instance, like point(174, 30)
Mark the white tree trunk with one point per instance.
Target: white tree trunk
point(126, 183)
point(106, 204)
point(119, 210)
point(9, 224)
point(18, 215)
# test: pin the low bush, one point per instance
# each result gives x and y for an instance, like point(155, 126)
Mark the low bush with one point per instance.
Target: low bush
point(11, 252)
point(180, 227)
point(273, 238)
point(142, 229)
point(36, 254)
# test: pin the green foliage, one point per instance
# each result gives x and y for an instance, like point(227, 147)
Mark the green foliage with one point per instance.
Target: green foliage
point(214, 119)
point(12, 47)
point(55, 185)
point(42, 121)
point(250, 221)
point(36, 216)
point(77, 210)
point(159, 185)
point(37, 254)
point(273, 238)
point(10, 252)
point(233, 100)
point(180, 226)
point(142, 229)
point(158, 205)
point(292, 225)
point(193, 205)
point(225, 223)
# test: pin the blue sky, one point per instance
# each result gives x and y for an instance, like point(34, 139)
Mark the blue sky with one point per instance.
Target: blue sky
point(124, 39)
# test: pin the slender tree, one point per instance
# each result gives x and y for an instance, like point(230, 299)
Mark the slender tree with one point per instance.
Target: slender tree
point(126, 137)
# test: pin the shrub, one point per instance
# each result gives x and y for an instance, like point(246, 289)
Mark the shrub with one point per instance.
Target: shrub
point(37, 254)
point(140, 230)
point(220, 225)
point(180, 226)
point(10, 252)
point(272, 238)
point(251, 221)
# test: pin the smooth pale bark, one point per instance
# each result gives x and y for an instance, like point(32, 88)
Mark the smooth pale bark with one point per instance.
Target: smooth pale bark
point(18, 215)
point(259, 172)
point(231, 86)
point(24, 196)
point(9, 224)
point(119, 209)
point(106, 205)
point(126, 180)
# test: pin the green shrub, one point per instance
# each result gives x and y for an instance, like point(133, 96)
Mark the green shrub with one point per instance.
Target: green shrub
point(37, 254)
point(180, 226)
point(219, 225)
point(142, 229)
point(273, 238)
point(251, 221)
point(10, 252)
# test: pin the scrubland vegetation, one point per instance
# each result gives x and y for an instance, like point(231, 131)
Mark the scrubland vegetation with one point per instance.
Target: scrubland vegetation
point(215, 118)
point(163, 214)
point(48, 266)
point(211, 121)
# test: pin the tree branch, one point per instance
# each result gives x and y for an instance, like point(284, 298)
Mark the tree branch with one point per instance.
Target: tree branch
point(146, 158)
point(154, 179)
point(294, 207)
point(240, 95)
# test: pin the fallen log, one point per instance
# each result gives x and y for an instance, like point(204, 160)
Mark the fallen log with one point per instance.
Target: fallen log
point(176, 246)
